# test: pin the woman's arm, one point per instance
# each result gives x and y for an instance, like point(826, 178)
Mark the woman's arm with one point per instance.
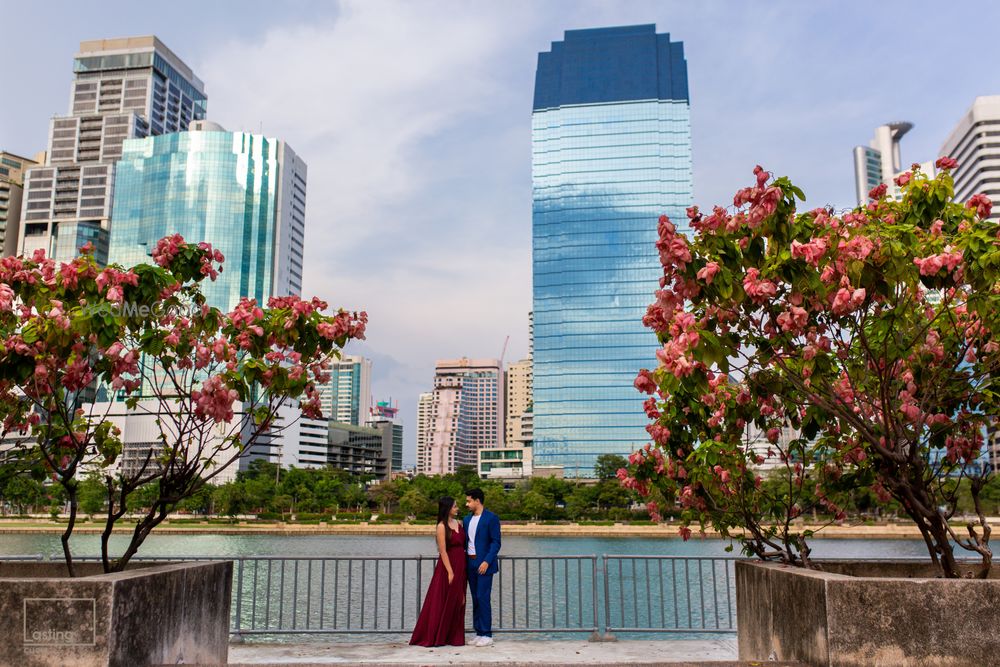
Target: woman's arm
point(443, 550)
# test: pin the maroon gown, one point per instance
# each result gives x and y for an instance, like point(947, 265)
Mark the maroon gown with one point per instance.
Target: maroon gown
point(442, 618)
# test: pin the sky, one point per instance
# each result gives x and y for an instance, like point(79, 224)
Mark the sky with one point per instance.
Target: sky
point(414, 120)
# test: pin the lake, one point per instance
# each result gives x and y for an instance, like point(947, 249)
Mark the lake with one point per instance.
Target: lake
point(359, 546)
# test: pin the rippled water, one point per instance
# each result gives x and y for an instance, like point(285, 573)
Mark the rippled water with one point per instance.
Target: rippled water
point(348, 546)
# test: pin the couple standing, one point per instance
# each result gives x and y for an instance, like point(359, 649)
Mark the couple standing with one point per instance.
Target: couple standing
point(468, 551)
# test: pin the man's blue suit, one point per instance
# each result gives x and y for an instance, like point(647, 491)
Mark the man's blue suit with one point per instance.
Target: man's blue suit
point(481, 585)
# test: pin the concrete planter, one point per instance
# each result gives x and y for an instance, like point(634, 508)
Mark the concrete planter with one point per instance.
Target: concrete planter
point(151, 614)
point(866, 613)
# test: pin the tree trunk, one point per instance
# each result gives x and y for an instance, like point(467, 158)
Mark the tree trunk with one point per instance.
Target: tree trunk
point(67, 553)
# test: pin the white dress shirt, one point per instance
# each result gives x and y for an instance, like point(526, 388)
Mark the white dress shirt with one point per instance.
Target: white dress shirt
point(473, 525)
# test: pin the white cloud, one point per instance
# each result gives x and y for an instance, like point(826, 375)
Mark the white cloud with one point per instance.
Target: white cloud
point(379, 103)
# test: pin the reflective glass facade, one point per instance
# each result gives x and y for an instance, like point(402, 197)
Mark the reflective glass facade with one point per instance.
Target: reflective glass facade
point(218, 187)
point(611, 152)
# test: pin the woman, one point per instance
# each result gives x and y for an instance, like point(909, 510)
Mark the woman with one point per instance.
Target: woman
point(442, 618)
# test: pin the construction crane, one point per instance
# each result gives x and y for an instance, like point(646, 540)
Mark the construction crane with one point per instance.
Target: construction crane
point(503, 351)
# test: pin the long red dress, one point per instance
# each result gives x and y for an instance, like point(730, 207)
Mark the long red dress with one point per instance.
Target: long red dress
point(442, 618)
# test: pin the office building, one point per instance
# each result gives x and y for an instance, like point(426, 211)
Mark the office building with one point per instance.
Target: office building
point(361, 450)
point(12, 168)
point(517, 398)
point(510, 462)
point(243, 193)
point(385, 415)
point(611, 152)
point(346, 398)
point(973, 143)
point(465, 415)
point(880, 162)
point(123, 88)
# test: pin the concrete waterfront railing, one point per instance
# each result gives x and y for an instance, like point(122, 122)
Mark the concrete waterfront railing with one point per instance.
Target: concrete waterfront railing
point(535, 595)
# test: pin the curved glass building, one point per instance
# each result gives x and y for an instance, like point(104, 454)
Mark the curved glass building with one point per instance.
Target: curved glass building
point(243, 193)
point(611, 152)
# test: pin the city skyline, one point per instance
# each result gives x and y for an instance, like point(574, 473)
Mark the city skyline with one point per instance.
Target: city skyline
point(419, 214)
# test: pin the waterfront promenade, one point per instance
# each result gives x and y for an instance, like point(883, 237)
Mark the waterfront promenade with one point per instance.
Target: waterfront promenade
point(522, 652)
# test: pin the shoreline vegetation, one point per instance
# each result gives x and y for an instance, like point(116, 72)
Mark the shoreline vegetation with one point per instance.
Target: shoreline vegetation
point(189, 526)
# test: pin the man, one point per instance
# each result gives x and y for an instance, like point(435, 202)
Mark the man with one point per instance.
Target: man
point(483, 530)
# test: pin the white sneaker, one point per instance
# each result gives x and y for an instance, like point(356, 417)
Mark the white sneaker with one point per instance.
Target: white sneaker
point(485, 641)
point(475, 641)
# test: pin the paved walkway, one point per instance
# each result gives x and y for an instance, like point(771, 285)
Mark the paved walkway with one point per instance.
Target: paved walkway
point(507, 652)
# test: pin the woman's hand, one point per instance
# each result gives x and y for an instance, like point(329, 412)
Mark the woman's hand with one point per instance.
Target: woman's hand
point(451, 576)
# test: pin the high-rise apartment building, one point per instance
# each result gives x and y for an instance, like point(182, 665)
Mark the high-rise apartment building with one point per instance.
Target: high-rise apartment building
point(880, 162)
point(124, 88)
point(611, 152)
point(12, 168)
point(466, 415)
point(243, 193)
point(974, 143)
point(425, 403)
point(517, 398)
point(347, 397)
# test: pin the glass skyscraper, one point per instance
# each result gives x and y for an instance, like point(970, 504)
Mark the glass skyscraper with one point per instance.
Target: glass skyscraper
point(611, 152)
point(243, 193)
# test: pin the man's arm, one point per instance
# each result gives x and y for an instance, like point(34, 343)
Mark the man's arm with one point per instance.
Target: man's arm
point(494, 550)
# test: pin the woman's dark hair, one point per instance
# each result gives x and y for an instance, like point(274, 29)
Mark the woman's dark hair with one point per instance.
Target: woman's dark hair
point(445, 503)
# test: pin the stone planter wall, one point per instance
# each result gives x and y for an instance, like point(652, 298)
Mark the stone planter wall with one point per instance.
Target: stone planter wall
point(149, 615)
point(862, 614)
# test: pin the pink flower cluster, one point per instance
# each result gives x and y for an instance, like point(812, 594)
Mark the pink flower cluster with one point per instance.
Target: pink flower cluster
point(347, 324)
point(760, 290)
point(166, 249)
point(209, 259)
point(845, 301)
point(215, 400)
point(932, 265)
point(811, 252)
point(946, 163)
point(982, 204)
point(111, 282)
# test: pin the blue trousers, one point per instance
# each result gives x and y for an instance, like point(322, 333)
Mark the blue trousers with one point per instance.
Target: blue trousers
point(481, 587)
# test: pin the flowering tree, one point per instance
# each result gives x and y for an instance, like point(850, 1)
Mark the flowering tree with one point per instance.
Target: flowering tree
point(863, 347)
point(145, 341)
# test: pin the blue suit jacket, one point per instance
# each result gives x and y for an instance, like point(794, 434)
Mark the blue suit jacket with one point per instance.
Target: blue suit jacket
point(487, 540)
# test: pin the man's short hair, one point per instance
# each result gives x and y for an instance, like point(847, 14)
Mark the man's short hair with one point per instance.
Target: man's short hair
point(476, 494)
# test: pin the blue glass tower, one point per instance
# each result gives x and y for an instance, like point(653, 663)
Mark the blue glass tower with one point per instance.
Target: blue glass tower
point(241, 192)
point(611, 152)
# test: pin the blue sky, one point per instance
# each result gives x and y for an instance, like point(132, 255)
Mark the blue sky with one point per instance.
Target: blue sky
point(414, 119)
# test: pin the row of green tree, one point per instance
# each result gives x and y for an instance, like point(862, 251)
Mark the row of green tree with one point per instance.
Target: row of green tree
point(267, 492)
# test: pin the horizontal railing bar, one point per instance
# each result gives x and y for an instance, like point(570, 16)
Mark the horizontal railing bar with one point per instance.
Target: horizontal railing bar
point(370, 631)
point(689, 631)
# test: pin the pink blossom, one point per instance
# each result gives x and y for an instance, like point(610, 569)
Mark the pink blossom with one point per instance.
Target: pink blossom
point(982, 204)
point(946, 163)
point(166, 249)
point(930, 266)
point(707, 273)
point(215, 400)
point(845, 301)
point(759, 290)
point(794, 319)
point(644, 382)
point(878, 191)
point(811, 252)
point(902, 179)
